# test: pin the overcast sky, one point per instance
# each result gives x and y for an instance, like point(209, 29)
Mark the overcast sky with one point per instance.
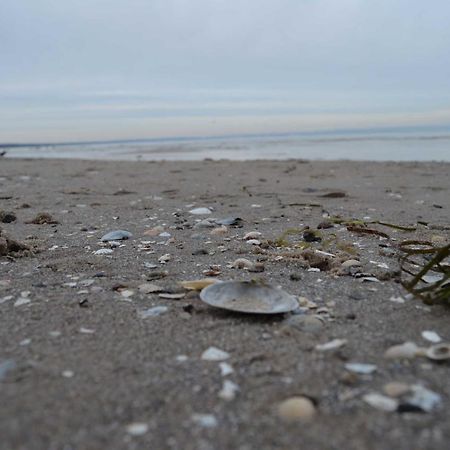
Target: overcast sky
point(109, 69)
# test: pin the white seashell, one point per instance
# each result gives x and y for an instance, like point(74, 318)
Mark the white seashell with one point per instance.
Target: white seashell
point(332, 345)
point(431, 336)
point(438, 352)
point(408, 350)
point(214, 354)
point(381, 402)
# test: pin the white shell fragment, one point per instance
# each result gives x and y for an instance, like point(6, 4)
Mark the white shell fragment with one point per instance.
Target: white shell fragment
point(331, 345)
point(363, 369)
point(225, 369)
point(205, 420)
point(431, 336)
point(408, 350)
point(249, 297)
point(153, 312)
point(229, 390)
point(422, 399)
point(137, 428)
point(200, 211)
point(116, 235)
point(103, 251)
point(214, 354)
point(381, 402)
point(438, 352)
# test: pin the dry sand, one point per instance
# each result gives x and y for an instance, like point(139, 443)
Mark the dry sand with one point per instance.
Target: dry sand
point(78, 364)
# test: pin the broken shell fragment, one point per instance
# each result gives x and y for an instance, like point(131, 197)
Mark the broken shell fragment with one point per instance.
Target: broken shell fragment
point(408, 350)
point(438, 352)
point(198, 285)
point(249, 297)
point(116, 235)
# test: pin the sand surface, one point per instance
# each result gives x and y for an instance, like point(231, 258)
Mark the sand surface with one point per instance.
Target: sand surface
point(79, 364)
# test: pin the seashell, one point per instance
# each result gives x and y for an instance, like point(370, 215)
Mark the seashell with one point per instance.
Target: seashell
point(408, 350)
point(116, 235)
point(438, 352)
point(198, 285)
point(248, 297)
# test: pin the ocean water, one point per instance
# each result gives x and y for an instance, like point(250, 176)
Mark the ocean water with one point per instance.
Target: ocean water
point(370, 146)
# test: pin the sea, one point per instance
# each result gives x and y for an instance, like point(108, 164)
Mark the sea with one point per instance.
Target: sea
point(363, 145)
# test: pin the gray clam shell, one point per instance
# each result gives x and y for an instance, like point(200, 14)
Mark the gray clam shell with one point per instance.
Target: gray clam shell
point(248, 297)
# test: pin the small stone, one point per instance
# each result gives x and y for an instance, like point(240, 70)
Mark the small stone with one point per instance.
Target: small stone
point(253, 242)
point(181, 358)
point(214, 354)
point(325, 224)
point(229, 390)
point(307, 324)
point(252, 235)
point(381, 402)
point(205, 420)
point(25, 342)
point(116, 235)
point(363, 369)
point(153, 312)
point(68, 373)
point(126, 293)
point(43, 218)
point(431, 336)
point(219, 231)
point(7, 216)
point(242, 263)
point(350, 263)
point(205, 223)
point(154, 231)
point(200, 211)
point(297, 409)
point(396, 389)
point(331, 345)
point(229, 221)
point(408, 350)
point(137, 428)
point(22, 301)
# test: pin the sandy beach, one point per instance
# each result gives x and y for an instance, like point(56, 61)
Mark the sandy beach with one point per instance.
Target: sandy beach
point(85, 365)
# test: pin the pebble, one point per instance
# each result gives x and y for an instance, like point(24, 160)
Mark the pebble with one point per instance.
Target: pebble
point(205, 223)
point(68, 373)
point(408, 350)
point(308, 324)
point(350, 263)
point(137, 428)
point(431, 336)
point(6, 366)
point(126, 293)
point(200, 211)
point(297, 409)
point(153, 312)
point(25, 342)
point(252, 235)
point(164, 258)
point(116, 235)
point(381, 402)
point(253, 242)
point(87, 330)
point(214, 354)
point(331, 345)
point(154, 231)
point(242, 263)
point(229, 390)
point(219, 231)
point(7, 216)
point(205, 420)
point(363, 369)
point(229, 221)
point(396, 389)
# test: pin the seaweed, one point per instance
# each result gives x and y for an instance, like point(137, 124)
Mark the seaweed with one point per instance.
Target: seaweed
point(429, 268)
point(281, 240)
point(363, 230)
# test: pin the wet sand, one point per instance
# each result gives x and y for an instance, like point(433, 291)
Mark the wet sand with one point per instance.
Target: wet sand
point(79, 364)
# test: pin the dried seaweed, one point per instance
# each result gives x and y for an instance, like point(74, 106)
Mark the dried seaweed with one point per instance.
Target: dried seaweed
point(395, 226)
point(363, 230)
point(282, 240)
point(429, 270)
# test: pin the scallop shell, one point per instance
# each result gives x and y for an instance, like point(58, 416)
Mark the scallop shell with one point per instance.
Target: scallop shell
point(248, 297)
